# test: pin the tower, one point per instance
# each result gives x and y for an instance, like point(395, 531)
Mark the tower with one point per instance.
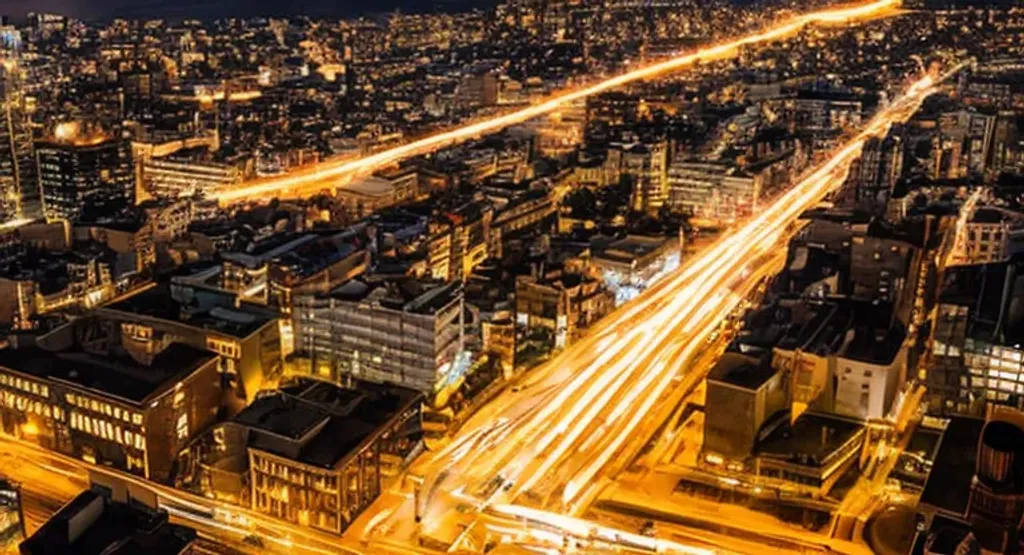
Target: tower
point(19, 188)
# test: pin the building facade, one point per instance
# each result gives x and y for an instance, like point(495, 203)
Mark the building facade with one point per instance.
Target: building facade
point(80, 175)
point(106, 408)
point(410, 335)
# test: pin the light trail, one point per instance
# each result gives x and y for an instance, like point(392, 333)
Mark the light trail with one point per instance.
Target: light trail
point(198, 511)
point(558, 440)
point(321, 175)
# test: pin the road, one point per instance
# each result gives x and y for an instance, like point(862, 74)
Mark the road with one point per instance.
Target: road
point(49, 480)
point(335, 173)
point(546, 447)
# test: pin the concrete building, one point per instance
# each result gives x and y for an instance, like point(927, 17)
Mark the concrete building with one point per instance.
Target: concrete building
point(743, 394)
point(176, 177)
point(84, 171)
point(97, 523)
point(633, 263)
point(88, 398)
point(992, 235)
point(712, 190)
point(879, 168)
point(563, 300)
point(247, 336)
point(319, 454)
point(407, 332)
point(647, 167)
point(370, 194)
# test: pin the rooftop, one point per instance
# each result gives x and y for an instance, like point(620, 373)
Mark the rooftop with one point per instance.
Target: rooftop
point(742, 371)
point(631, 247)
point(116, 376)
point(874, 346)
point(197, 306)
point(116, 529)
point(371, 186)
point(262, 252)
point(949, 482)
point(408, 295)
point(340, 418)
point(810, 440)
point(989, 291)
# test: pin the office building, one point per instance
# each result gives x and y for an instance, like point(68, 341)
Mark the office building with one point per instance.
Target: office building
point(976, 355)
point(19, 187)
point(179, 176)
point(86, 397)
point(319, 454)
point(84, 171)
point(991, 235)
point(712, 190)
point(564, 300)
point(407, 332)
point(647, 166)
point(95, 523)
point(246, 335)
point(879, 168)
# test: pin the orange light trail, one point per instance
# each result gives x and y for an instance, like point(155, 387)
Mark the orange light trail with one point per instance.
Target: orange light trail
point(549, 447)
point(338, 170)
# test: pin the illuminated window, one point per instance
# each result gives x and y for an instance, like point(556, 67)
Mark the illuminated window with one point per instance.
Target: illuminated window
point(182, 428)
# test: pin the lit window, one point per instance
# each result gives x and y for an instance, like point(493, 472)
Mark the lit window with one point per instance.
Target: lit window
point(182, 428)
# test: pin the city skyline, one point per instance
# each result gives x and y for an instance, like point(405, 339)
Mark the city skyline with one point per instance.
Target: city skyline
point(105, 10)
point(551, 276)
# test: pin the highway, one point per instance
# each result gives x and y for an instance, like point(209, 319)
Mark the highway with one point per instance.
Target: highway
point(334, 173)
point(547, 445)
point(532, 453)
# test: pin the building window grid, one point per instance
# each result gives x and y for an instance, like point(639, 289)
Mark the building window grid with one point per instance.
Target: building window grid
point(997, 370)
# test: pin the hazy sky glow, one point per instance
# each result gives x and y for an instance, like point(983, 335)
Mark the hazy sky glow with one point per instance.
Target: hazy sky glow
point(178, 9)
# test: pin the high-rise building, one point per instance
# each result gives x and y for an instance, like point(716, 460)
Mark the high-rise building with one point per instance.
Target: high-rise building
point(406, 333)
point(647, 165)
point(82, 172)
point(19, 189)
point(881, 165)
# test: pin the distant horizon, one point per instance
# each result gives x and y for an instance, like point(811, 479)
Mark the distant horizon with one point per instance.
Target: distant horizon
point(176, 10)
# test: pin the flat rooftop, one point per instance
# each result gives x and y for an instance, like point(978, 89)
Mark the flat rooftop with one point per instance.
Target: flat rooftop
point(119, 529)
point(632, 247)
point(345, 417)
point(408, 295)
point(741, 371)
point(159, 302)
point(810, 440)
point(949, 483)
point(876, 348)
point(260, 253)
point(120, 377)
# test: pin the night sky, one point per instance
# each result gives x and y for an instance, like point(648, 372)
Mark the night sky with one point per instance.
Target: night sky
point(180, 9)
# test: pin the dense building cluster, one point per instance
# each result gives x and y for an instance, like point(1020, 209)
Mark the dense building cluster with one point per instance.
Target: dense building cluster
point(291, 356)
